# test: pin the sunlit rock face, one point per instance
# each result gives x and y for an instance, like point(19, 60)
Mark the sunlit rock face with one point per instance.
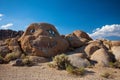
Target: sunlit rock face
point(42, 39)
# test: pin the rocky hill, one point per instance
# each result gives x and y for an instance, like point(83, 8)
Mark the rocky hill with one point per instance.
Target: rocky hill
point(5, 34)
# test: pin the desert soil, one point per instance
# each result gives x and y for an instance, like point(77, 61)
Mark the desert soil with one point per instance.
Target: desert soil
point(43, 72)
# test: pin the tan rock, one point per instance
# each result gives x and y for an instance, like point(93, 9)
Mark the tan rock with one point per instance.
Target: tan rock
point(14, 46)
point(82, 34)
point(116, 51)
point(37, 59)
point(75, 41)
point(78, 60)
point(101, 56)
point(115, 43)
point(93, 46)
point(42, 39)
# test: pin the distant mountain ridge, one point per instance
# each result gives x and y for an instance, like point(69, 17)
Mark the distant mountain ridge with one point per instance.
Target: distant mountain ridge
point(5, 34)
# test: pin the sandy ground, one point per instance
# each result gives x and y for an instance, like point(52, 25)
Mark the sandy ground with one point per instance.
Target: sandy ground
point(43, 72)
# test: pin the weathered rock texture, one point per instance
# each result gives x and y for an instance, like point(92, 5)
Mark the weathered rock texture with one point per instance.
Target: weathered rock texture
point(79, 60)
point(77, 38)
point(116, 52)
point(42, 40)
point(101, 56)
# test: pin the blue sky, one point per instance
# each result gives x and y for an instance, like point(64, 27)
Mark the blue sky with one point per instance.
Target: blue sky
point(91, 16)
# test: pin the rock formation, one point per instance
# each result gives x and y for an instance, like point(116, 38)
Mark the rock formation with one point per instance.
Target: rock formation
point(5, 34)
point(42, 40)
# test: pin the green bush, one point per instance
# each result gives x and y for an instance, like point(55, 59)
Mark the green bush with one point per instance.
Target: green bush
point(27, 62)
point(51, 65)
point(61, 61)
point(10, 56)
point(106, 75)
point(75, 71)
point(1, 60)
point(115, 64)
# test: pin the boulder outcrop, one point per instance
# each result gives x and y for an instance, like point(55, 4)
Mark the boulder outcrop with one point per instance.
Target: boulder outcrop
point(77, 38)
point(6, 34)
point(101, 56)
point(42, 39)
point(116, 52)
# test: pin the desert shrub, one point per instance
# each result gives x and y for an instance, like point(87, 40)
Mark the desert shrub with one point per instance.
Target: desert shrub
point(22, 56)
point(111, 64)
point(1, 59)
point(61, 61)
point(106, 75)
point(27, 62)
point(10, 56)
point(75, 71)
point(51, 65)
point(115, 64)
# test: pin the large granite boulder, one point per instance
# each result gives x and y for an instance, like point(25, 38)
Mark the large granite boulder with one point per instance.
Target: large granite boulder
point(116, 52)
point(77, 38)
point(4, 49)
point(42, 39)
point(109, 44)
point(101, 56)
point(82, 34)
point(14, 45)
point(93, 46)
point(75, 41)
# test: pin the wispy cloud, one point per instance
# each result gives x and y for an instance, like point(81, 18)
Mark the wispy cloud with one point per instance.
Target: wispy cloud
point(1, 16)
point(7, 26)
point(106, 31)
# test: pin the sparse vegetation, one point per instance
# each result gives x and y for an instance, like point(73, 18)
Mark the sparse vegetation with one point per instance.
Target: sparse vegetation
point(10, 56)
point(61, 62)
point(1, 59)
point(27, 62)
point(106, 75)
point(22, 56)
point(115, 64)
point(75, 71)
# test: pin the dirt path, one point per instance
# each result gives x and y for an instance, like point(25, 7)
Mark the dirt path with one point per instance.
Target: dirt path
point(43, 72)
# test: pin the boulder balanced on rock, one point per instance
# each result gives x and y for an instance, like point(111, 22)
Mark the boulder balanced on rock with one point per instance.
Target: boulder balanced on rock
point(42, 39)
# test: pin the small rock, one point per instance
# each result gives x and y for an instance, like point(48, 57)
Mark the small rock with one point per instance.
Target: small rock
point(78, 60)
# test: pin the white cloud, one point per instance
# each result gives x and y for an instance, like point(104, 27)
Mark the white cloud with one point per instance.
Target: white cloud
point(106, 31)
point(1, 15)
point(7, 26)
